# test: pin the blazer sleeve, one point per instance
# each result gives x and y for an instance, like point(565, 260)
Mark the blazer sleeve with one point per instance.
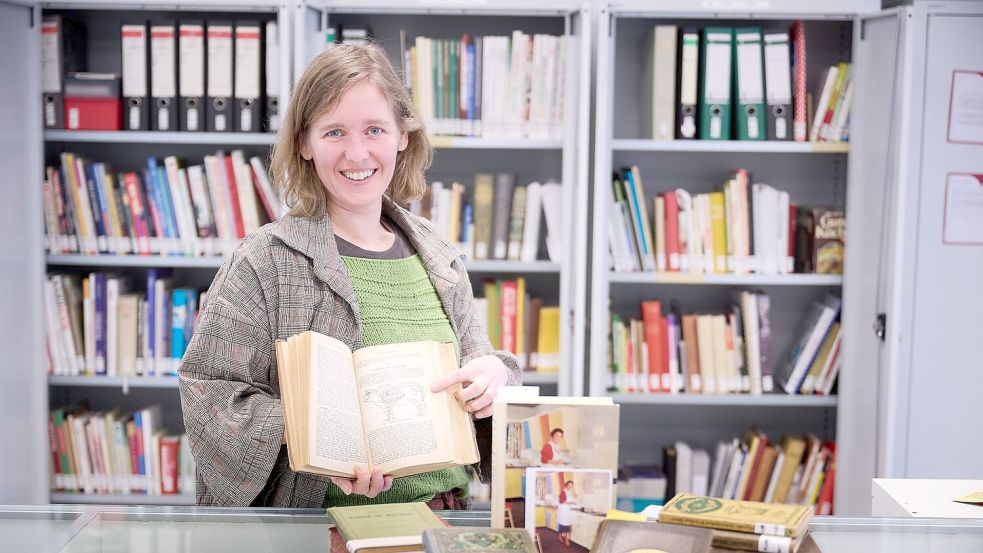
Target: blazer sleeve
point(232, 413)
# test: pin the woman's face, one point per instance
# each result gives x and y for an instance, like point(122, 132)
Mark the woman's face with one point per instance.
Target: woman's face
point(354, 148)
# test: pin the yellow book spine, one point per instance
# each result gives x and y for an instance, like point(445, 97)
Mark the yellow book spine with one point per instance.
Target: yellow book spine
point(520, 322)
point(718, 228)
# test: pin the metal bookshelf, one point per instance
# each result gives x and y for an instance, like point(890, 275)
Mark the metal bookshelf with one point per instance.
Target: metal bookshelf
point(123, 382)
point(733, 400)
point(725, 279)
point(733, 146)
point(121, 499)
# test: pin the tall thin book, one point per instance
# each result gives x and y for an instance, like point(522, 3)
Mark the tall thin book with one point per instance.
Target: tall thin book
point(740, 516)
point(373, 406)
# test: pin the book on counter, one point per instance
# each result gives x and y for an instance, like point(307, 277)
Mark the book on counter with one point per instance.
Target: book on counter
point(477, 540)
point(739, 516)
point(379, 397)
point(383, 528)
point(621, 536)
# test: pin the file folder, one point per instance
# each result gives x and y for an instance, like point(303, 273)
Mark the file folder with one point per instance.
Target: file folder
point(191, 81)
point(219, 83)
point(163, 77)
point(272, 117)
point(660, 82)
point(749, 85)
point(778, 86)
point(689, 59)
point(135, 108)
point(715, 83)
point(63, 48)
point(247, 77)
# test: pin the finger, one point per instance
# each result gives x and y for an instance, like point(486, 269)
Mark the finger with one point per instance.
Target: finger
point(344, 484)
point(387, 483)
point(473, 390)
point(375, 483)
point(447, 381)
point(482, 401)
point(362, 478)
point(485, 413)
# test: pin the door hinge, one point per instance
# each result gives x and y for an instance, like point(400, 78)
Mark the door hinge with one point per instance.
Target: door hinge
point(880, 326)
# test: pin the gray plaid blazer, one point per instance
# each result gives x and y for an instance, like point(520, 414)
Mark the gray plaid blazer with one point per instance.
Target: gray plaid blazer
point(282, 280)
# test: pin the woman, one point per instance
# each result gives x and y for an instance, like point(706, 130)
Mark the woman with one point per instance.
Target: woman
point(347, 262)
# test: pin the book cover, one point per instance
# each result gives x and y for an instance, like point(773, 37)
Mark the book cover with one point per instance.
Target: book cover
point(477, 540)
point(827, 242)
point(374, 527)
point(741, 516)
point(622, 535)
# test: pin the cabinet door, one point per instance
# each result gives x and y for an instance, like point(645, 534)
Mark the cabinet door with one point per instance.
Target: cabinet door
point(875, 146)
point(23, 395)
point(940, 383)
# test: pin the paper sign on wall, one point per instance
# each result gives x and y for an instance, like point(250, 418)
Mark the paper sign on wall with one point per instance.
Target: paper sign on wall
point(963, 221)
point(966, 107)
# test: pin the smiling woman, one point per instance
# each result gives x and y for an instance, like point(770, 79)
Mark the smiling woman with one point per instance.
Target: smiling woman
point(347, 262)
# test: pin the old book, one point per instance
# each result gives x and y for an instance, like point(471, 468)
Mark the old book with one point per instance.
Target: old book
point(827, 243)
point(743, 541)
point(805, 544)
point(621, 536)
point(384, 528)
point(477, 540)
point(378, 398)
point(740, 516)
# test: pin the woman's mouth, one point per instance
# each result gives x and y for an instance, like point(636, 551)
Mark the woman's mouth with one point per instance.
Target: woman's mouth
point(359, 175)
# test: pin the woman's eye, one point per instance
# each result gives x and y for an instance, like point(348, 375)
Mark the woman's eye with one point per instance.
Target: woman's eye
point(375, 131)
point(333, 133)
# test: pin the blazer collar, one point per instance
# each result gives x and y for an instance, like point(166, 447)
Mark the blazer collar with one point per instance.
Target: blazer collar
point(315, 239)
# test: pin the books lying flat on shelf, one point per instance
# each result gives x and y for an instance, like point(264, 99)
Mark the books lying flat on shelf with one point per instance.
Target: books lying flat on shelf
point(379, 398)
point(384, 528)
point(739, 516)
point(477, 540)
point(624, 536)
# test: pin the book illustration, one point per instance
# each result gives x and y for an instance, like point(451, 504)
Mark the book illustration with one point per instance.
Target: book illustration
point(477, 540)
point(564, 507)
point(399, 400)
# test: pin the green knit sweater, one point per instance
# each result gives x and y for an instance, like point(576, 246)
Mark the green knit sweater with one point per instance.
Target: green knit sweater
point(398, 303)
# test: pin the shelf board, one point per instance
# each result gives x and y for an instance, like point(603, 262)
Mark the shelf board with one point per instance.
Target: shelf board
point(161, 137)
point(532, 378)
point(214, 262)
point(730, 400)
point(793, 279)
point(479, 143)
point(122, 499)
point(114, 381)
point(738, 146)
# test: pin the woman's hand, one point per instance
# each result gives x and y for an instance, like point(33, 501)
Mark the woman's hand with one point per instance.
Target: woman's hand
point(481, 378)
point(364, 483)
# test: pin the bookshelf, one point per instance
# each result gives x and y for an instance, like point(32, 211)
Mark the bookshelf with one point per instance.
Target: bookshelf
point(120, 499)
point(812, 173)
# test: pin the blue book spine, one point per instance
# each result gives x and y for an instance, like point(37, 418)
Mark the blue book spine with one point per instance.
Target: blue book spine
point(99, 292)
point(189, 327)
point(165, 193)
point(152, 276)
point(467, 218)
point(472, 80)
point(141, 457)
point(179, 321)
point(91, 187)
point(156, 208)
point(633, 186)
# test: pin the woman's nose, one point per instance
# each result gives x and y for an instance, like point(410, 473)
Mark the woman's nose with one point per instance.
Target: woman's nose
point(356, 150)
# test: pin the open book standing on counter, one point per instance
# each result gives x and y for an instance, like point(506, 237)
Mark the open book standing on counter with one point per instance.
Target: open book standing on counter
point(373, 406)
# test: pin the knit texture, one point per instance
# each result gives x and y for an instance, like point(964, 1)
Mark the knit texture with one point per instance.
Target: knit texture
point(398, 303)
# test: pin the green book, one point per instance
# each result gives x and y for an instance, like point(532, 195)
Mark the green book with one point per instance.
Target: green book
point(477, 540)
point(715, 83)
point(372, 527)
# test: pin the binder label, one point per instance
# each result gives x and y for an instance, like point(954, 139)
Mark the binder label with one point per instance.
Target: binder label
point(192, 67)
point(134, 62)
point(247, 62)
point(162, 63)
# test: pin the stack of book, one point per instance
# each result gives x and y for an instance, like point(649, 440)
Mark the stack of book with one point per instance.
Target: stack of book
point(741, 525)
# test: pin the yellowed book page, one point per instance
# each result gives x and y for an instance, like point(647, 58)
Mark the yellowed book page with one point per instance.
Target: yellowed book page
point(334, 432)
point(405, 423)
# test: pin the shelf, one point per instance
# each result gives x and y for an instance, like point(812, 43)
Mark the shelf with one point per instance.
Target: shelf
point(737, 146)
point(731, 400)
point(531, 378)
point(725, 279)
point(266, 139)
point(158, 137)
point(119, 499)
point(177, 261)
point(114, 381)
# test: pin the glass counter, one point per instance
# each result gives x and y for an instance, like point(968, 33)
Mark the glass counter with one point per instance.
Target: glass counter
point(112, 529)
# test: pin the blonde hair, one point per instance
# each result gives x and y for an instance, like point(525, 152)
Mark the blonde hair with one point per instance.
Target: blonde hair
point(319, 90)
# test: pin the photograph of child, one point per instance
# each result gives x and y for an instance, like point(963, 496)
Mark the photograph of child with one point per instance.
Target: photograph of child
point(565, 506)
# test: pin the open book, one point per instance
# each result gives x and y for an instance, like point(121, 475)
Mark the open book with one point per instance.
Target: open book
point(373, 406)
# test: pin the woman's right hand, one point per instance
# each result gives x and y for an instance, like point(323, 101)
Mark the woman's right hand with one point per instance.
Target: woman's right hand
point(369, 484)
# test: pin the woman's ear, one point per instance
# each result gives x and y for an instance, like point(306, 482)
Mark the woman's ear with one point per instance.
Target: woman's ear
point(305, 149)
point(404, 140)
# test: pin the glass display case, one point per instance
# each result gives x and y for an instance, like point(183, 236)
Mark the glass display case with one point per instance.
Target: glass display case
point(110, 529)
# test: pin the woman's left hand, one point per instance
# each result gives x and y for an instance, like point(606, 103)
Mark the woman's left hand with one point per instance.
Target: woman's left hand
point(481, 378)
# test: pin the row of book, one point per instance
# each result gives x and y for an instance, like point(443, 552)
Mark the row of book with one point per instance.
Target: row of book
point(521, 324)
point(795, 470)
point(164, 208)
point(496, 219)
point(95, 325)
point(189, 76)
point(488, 86)
point(743, 83)
point(720, 353)
point(115, 452)
point(743, 228)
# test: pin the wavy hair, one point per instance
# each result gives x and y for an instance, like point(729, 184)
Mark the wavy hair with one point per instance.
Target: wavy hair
point(319, 90)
